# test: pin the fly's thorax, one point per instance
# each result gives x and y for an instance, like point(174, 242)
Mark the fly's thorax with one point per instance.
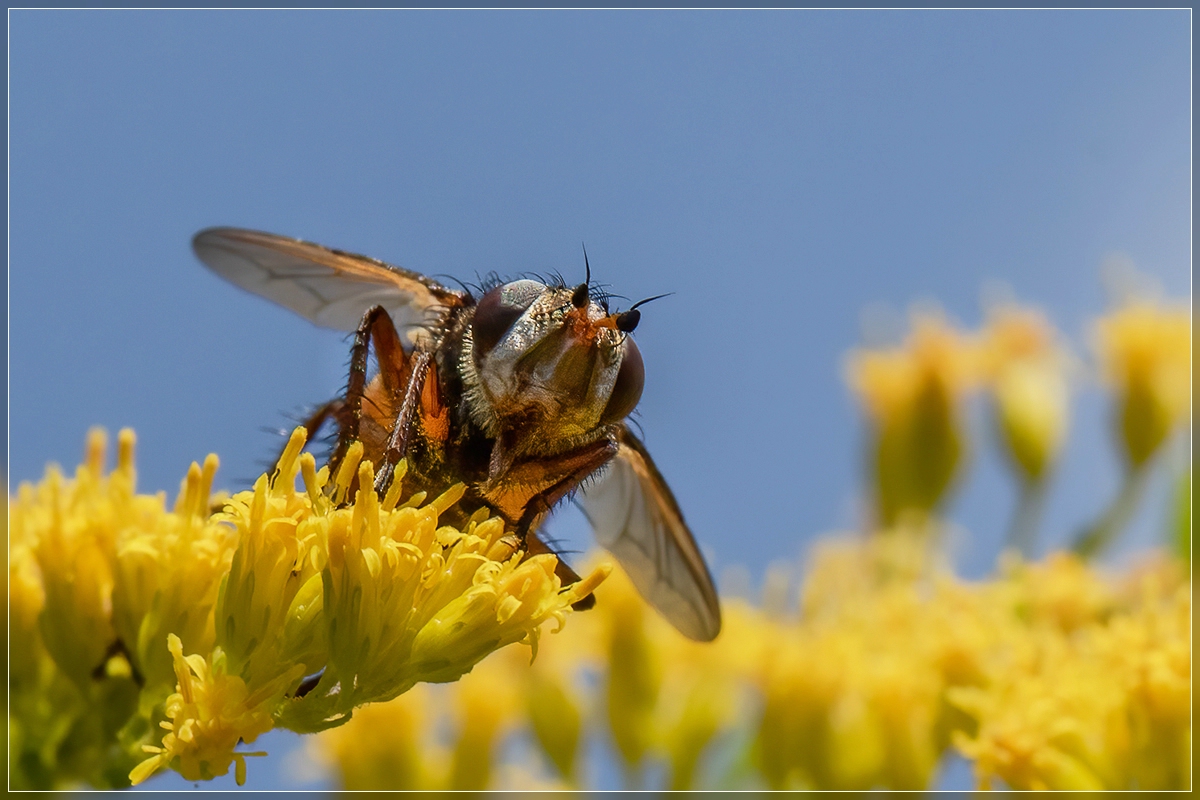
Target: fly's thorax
point(550, 361)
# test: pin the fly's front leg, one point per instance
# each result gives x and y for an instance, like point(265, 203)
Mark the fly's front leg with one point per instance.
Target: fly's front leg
point(530, 488)
point(397, 446)
point(571, 469)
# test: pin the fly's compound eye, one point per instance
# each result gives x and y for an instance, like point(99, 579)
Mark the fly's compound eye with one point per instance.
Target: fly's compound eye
point(628, 388)
point(498, 310)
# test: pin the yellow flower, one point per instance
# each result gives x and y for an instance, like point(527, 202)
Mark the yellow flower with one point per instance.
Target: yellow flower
point(370, 598)
point(105, 574)
point(72, 527)
point(26, 599)
point(1150, 650)
point(1043, 731)
point(891, 660)
point(853, 694)
point(1049, 676)
point(1061, 591)
point(1144, 352)
point(1094, 698)
point(168, 571)
point(1026, 371)
point(584, 674)
point(486, 706)
point(668, 698)
point(912, 395)
point(210, 715)
point(437, 738)
point(132, 618)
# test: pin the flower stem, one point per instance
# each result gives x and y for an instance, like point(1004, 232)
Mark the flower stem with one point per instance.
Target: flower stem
point(1023, 530)
point(1092, 540)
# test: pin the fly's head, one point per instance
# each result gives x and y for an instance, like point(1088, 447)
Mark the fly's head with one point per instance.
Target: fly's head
point(550, 362)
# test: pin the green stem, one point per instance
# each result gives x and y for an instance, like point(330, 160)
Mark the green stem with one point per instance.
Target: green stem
point(1023, 530)
point(1094, 539)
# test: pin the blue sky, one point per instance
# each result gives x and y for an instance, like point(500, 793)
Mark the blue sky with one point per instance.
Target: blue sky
point(779, 171)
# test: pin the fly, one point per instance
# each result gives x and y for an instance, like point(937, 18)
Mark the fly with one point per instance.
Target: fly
point(522, 394)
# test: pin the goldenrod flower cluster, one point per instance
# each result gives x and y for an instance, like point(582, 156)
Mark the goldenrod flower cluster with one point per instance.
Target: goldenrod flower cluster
point(1094, 693)
point(661, 698)
point(914, 397)
point(146, 638)
point(1051, 675)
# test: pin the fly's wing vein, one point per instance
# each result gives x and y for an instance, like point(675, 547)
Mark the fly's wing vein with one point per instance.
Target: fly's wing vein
point(636, 518)
point(328, 287)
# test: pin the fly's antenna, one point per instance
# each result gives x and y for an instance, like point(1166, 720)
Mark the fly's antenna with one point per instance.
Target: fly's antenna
point(650, 300)
point(587, 267)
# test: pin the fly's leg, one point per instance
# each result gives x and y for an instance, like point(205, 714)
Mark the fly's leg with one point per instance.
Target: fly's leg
point(397, 445)
point(323, 414)
point(376, 327)
point(560, 474)
point(582, 463)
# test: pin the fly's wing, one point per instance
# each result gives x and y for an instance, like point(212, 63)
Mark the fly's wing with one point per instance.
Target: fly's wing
point(636, 518)
point(329, 287)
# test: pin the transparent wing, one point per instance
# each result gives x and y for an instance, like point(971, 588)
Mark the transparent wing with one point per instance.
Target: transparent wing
point(329, 287)
point(636, 518)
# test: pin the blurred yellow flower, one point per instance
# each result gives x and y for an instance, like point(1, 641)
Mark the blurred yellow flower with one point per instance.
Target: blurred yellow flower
point(439, 738)
point(1061, 591)
point(854, 694)
point(1025, 368)
point(912, 395)
point(634, 677)
point(556, 708)
point(486, 703)
point(1049, 675)
point(1102, 704)
point(1144, 352)
point(667, 697)
point(99, 575)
